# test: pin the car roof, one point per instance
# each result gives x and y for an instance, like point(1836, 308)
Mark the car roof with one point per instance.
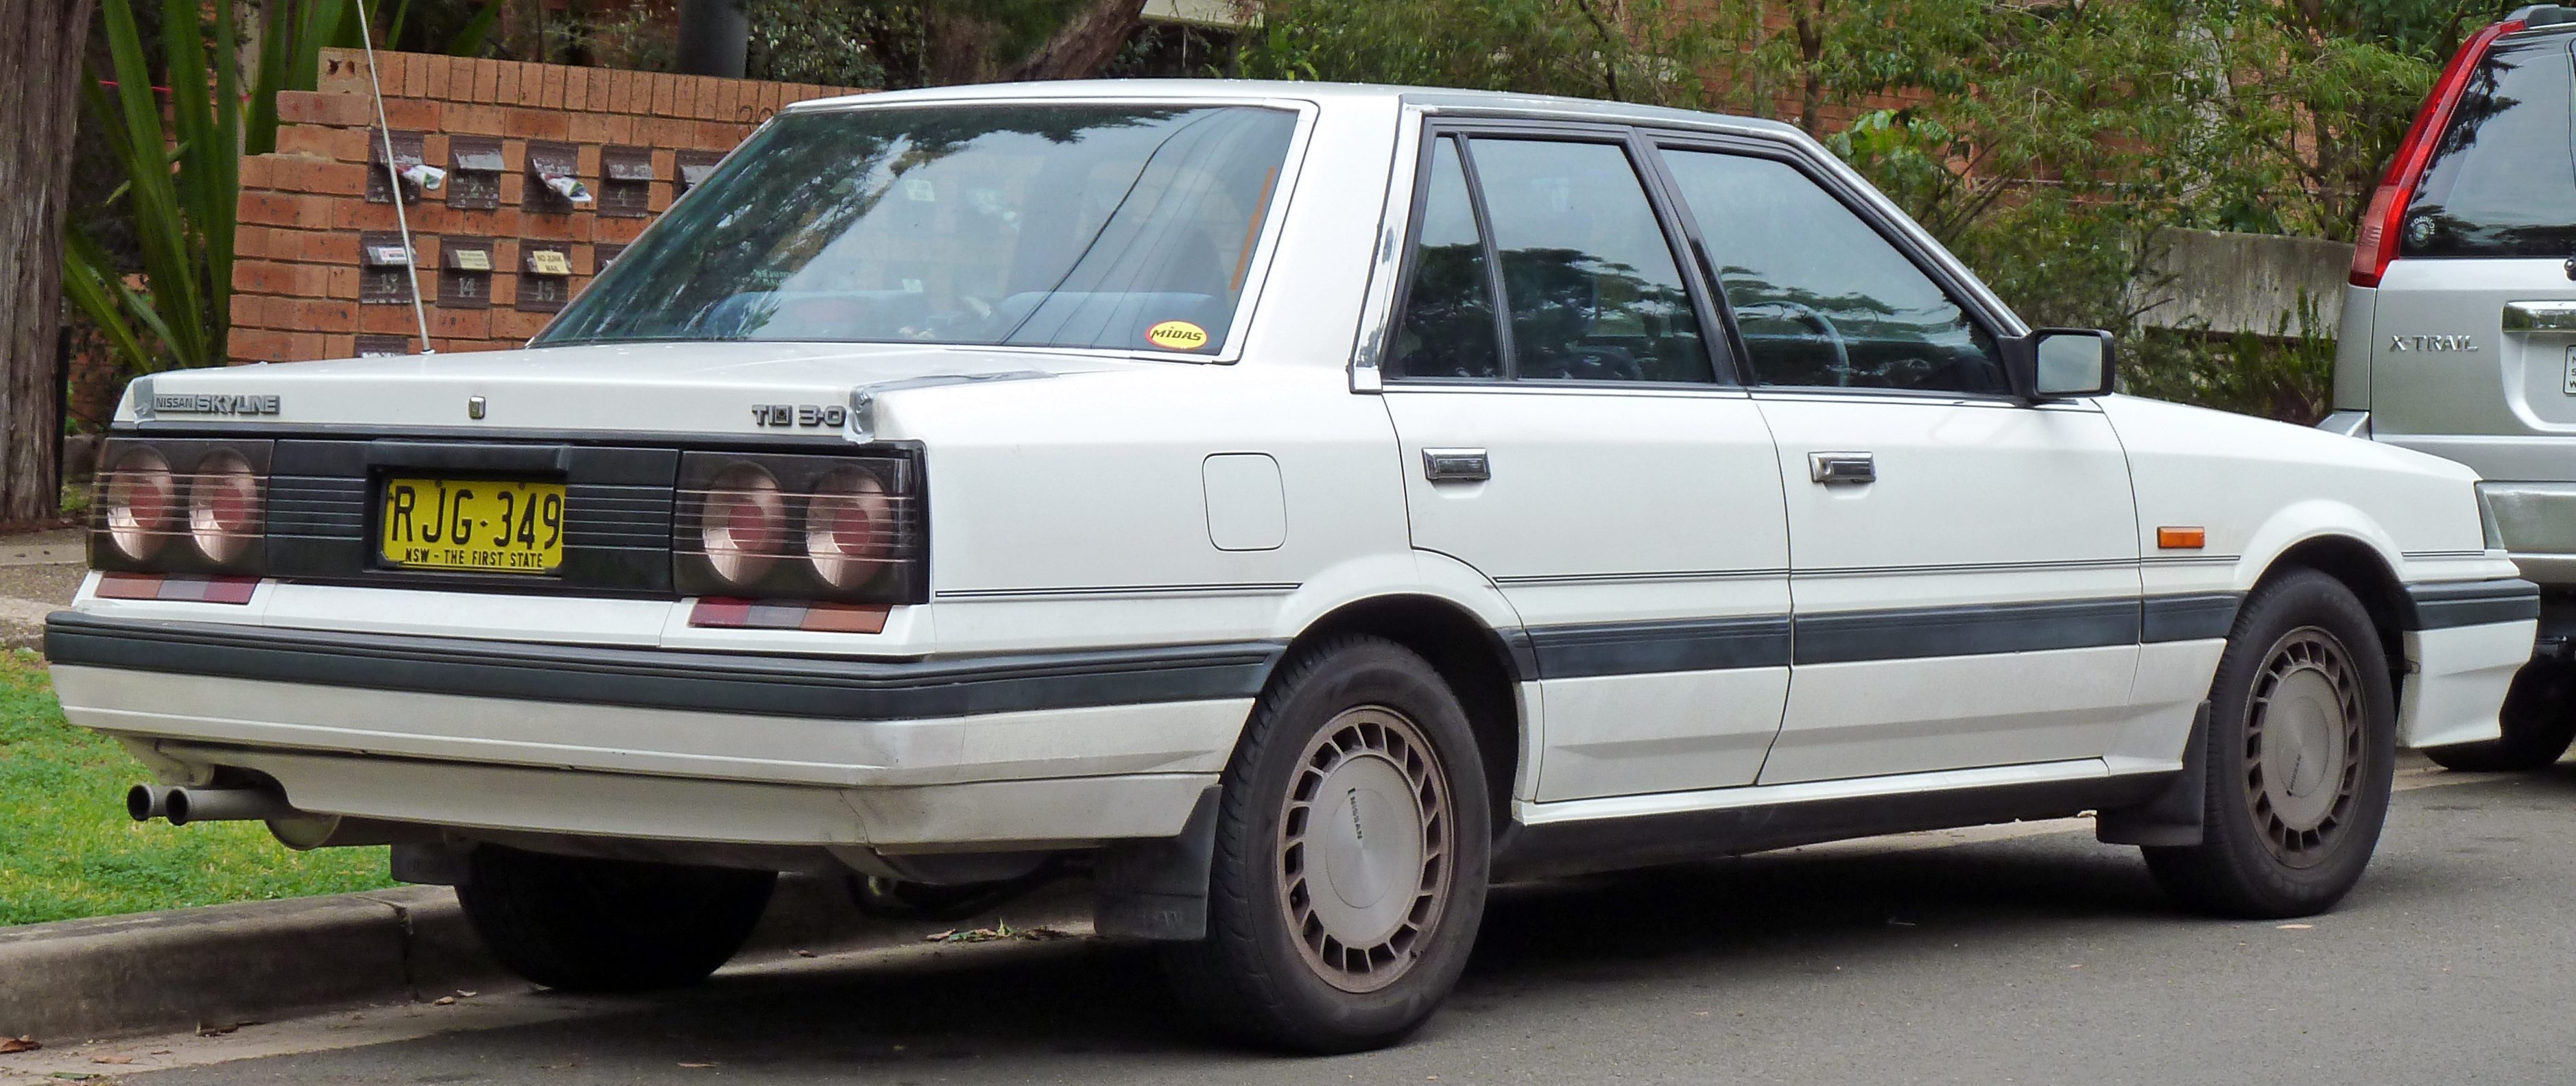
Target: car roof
point(1253, 90)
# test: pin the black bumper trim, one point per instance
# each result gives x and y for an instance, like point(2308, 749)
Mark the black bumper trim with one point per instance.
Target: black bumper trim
point(2470, 603)
point(801, 686)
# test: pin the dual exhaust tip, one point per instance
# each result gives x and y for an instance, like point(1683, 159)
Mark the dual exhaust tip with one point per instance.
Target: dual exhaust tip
point(183, 805)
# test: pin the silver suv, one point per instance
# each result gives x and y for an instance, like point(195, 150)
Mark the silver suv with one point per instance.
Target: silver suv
point(2459, 330)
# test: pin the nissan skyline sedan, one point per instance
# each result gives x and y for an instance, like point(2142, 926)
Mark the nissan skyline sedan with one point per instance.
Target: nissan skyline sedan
point(1294, 508)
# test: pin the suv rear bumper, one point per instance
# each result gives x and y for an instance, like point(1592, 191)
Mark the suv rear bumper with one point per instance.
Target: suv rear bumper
point(2538, 523)
point(981, 753)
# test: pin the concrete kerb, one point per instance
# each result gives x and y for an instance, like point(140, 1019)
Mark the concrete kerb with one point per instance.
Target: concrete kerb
point(222, 966)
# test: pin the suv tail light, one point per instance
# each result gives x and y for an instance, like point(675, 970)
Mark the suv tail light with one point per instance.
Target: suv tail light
point(2376, 243)
point(211, 497)
point(844, 529)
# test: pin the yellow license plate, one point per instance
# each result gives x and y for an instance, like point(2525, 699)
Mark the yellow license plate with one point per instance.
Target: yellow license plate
point(476, 525)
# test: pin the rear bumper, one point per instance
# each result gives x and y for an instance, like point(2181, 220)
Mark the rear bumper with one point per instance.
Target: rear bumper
point(2538, 523)
point(982, 753)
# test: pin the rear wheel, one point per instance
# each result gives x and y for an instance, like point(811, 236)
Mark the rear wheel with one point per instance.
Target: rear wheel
point(2302, 742)
point(1349, 876)
point(593, 925)
point(2539, 721)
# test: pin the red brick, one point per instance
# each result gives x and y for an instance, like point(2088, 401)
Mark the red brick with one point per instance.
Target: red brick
point(322, 315)
point(253, 171)
point(413, 115)
point(249, 241)
point(342, 144)
point(307, 346)
point(460, 323)
point(617, 231)
point(271, 277)
point(328, 178)
point(256, 345)
point(588, 128)
point(360, 215)
point(506, 91)
point(342, 72)
point(475, 120)
point(550, 87)
point(585, 161)
point(538, 124)
point(335, 248)
point(415, 74)
point(512, 324)
point(433, 148)
point(548, 227)
point(344, 283)
point(321, 107)
point(630, 93)
point(249, 311)
point(666, 87)
point(389, 319)
point(622, 128)
point(487, 80)
point(684, 95)
point(514, 189)
point(272, 208)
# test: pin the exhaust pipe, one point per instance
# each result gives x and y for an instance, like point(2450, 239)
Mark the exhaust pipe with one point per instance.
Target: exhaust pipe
point(186, 805)
point(148, 801)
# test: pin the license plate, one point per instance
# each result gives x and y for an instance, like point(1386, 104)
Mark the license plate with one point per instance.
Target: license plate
point(2571, 371)
point(476, 525)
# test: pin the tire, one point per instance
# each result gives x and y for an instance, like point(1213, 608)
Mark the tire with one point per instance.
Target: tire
point(2302, 741)
point(2539, 722)
point(592, 925)
point(1311, 946)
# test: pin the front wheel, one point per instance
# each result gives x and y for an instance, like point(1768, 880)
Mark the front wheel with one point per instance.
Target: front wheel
point(592, 925)
point(1350, 866)
point(2302, 742)
point(2539, 720)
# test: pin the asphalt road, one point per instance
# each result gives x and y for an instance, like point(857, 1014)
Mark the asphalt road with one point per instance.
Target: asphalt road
point(2044, 958)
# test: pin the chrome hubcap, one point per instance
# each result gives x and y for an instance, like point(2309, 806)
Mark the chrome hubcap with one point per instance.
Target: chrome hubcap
point(1364, 848)
point(2303, 736)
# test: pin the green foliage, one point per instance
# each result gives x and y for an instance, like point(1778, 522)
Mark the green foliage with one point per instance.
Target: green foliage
point(69, 850)
point(798, 41)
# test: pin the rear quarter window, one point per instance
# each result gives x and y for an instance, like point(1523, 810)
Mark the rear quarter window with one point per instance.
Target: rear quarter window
point(2502, 182)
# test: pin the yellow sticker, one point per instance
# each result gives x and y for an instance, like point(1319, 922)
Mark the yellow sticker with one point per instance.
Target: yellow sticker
point(1177, 336)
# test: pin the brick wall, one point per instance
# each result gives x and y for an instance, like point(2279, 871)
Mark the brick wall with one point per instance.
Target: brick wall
point(305, 210)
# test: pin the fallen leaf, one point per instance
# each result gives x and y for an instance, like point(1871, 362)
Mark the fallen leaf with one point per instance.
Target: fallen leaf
point(443, 1001)
point(2296, 927)
point(217, 1031)
point(18, 1044)
point(804, 953)
point(75, 1076)
point(111, 1059)
point(463, 994)
point(158, 1052)
point(697, 1065)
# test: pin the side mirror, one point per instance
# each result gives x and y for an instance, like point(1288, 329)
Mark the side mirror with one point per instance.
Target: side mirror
point(2057, 363)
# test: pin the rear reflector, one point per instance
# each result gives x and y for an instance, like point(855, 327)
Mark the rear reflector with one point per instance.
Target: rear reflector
point(860, 618)
point(155, 586)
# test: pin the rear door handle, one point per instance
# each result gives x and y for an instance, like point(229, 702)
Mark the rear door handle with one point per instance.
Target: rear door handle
point(2540, 316)
point(1457, 465)
point(1830, 468)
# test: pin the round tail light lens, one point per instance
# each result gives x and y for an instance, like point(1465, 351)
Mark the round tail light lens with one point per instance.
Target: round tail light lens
point(223, 506)
point(141, 499)
point(849, 528)
point(742, 523)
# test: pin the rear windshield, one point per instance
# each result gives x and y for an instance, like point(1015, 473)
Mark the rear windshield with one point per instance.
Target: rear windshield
point(1059, 225)
point(2503, 178)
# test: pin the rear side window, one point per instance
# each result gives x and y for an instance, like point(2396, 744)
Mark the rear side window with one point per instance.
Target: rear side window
point(2502, 182)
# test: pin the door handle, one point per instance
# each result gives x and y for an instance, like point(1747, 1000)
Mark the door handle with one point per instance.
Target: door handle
point(1830, 468)
point(1456, 465)
point(2540, 316)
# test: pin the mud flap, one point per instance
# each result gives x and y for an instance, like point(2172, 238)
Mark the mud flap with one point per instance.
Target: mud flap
point(2172, 816)
point(1158, 889)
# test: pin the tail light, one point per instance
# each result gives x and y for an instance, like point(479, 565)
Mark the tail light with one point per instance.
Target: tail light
point(2376, 243)
point(844, 529)
point(223, 506)
point(209, 495)
point(137, 504)
point(743, 524)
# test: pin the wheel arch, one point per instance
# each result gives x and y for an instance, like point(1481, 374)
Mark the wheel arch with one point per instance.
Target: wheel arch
point(1471, 655)
point(2372, 579)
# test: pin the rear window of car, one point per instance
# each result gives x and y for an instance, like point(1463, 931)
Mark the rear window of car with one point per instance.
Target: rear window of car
point(2502, 182)
point(1030, 224)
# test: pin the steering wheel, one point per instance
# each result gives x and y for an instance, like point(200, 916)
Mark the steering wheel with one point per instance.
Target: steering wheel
point(1808, 315)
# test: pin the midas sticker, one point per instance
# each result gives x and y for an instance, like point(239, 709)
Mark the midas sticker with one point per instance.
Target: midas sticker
point(1177, 336)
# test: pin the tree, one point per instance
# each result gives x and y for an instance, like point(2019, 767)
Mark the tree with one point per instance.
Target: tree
point(40, 67)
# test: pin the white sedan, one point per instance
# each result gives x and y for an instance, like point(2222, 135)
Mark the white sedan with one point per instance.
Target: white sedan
point(1297, 506)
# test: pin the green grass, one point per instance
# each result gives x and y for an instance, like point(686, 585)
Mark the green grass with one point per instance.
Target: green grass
point(68, 850)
